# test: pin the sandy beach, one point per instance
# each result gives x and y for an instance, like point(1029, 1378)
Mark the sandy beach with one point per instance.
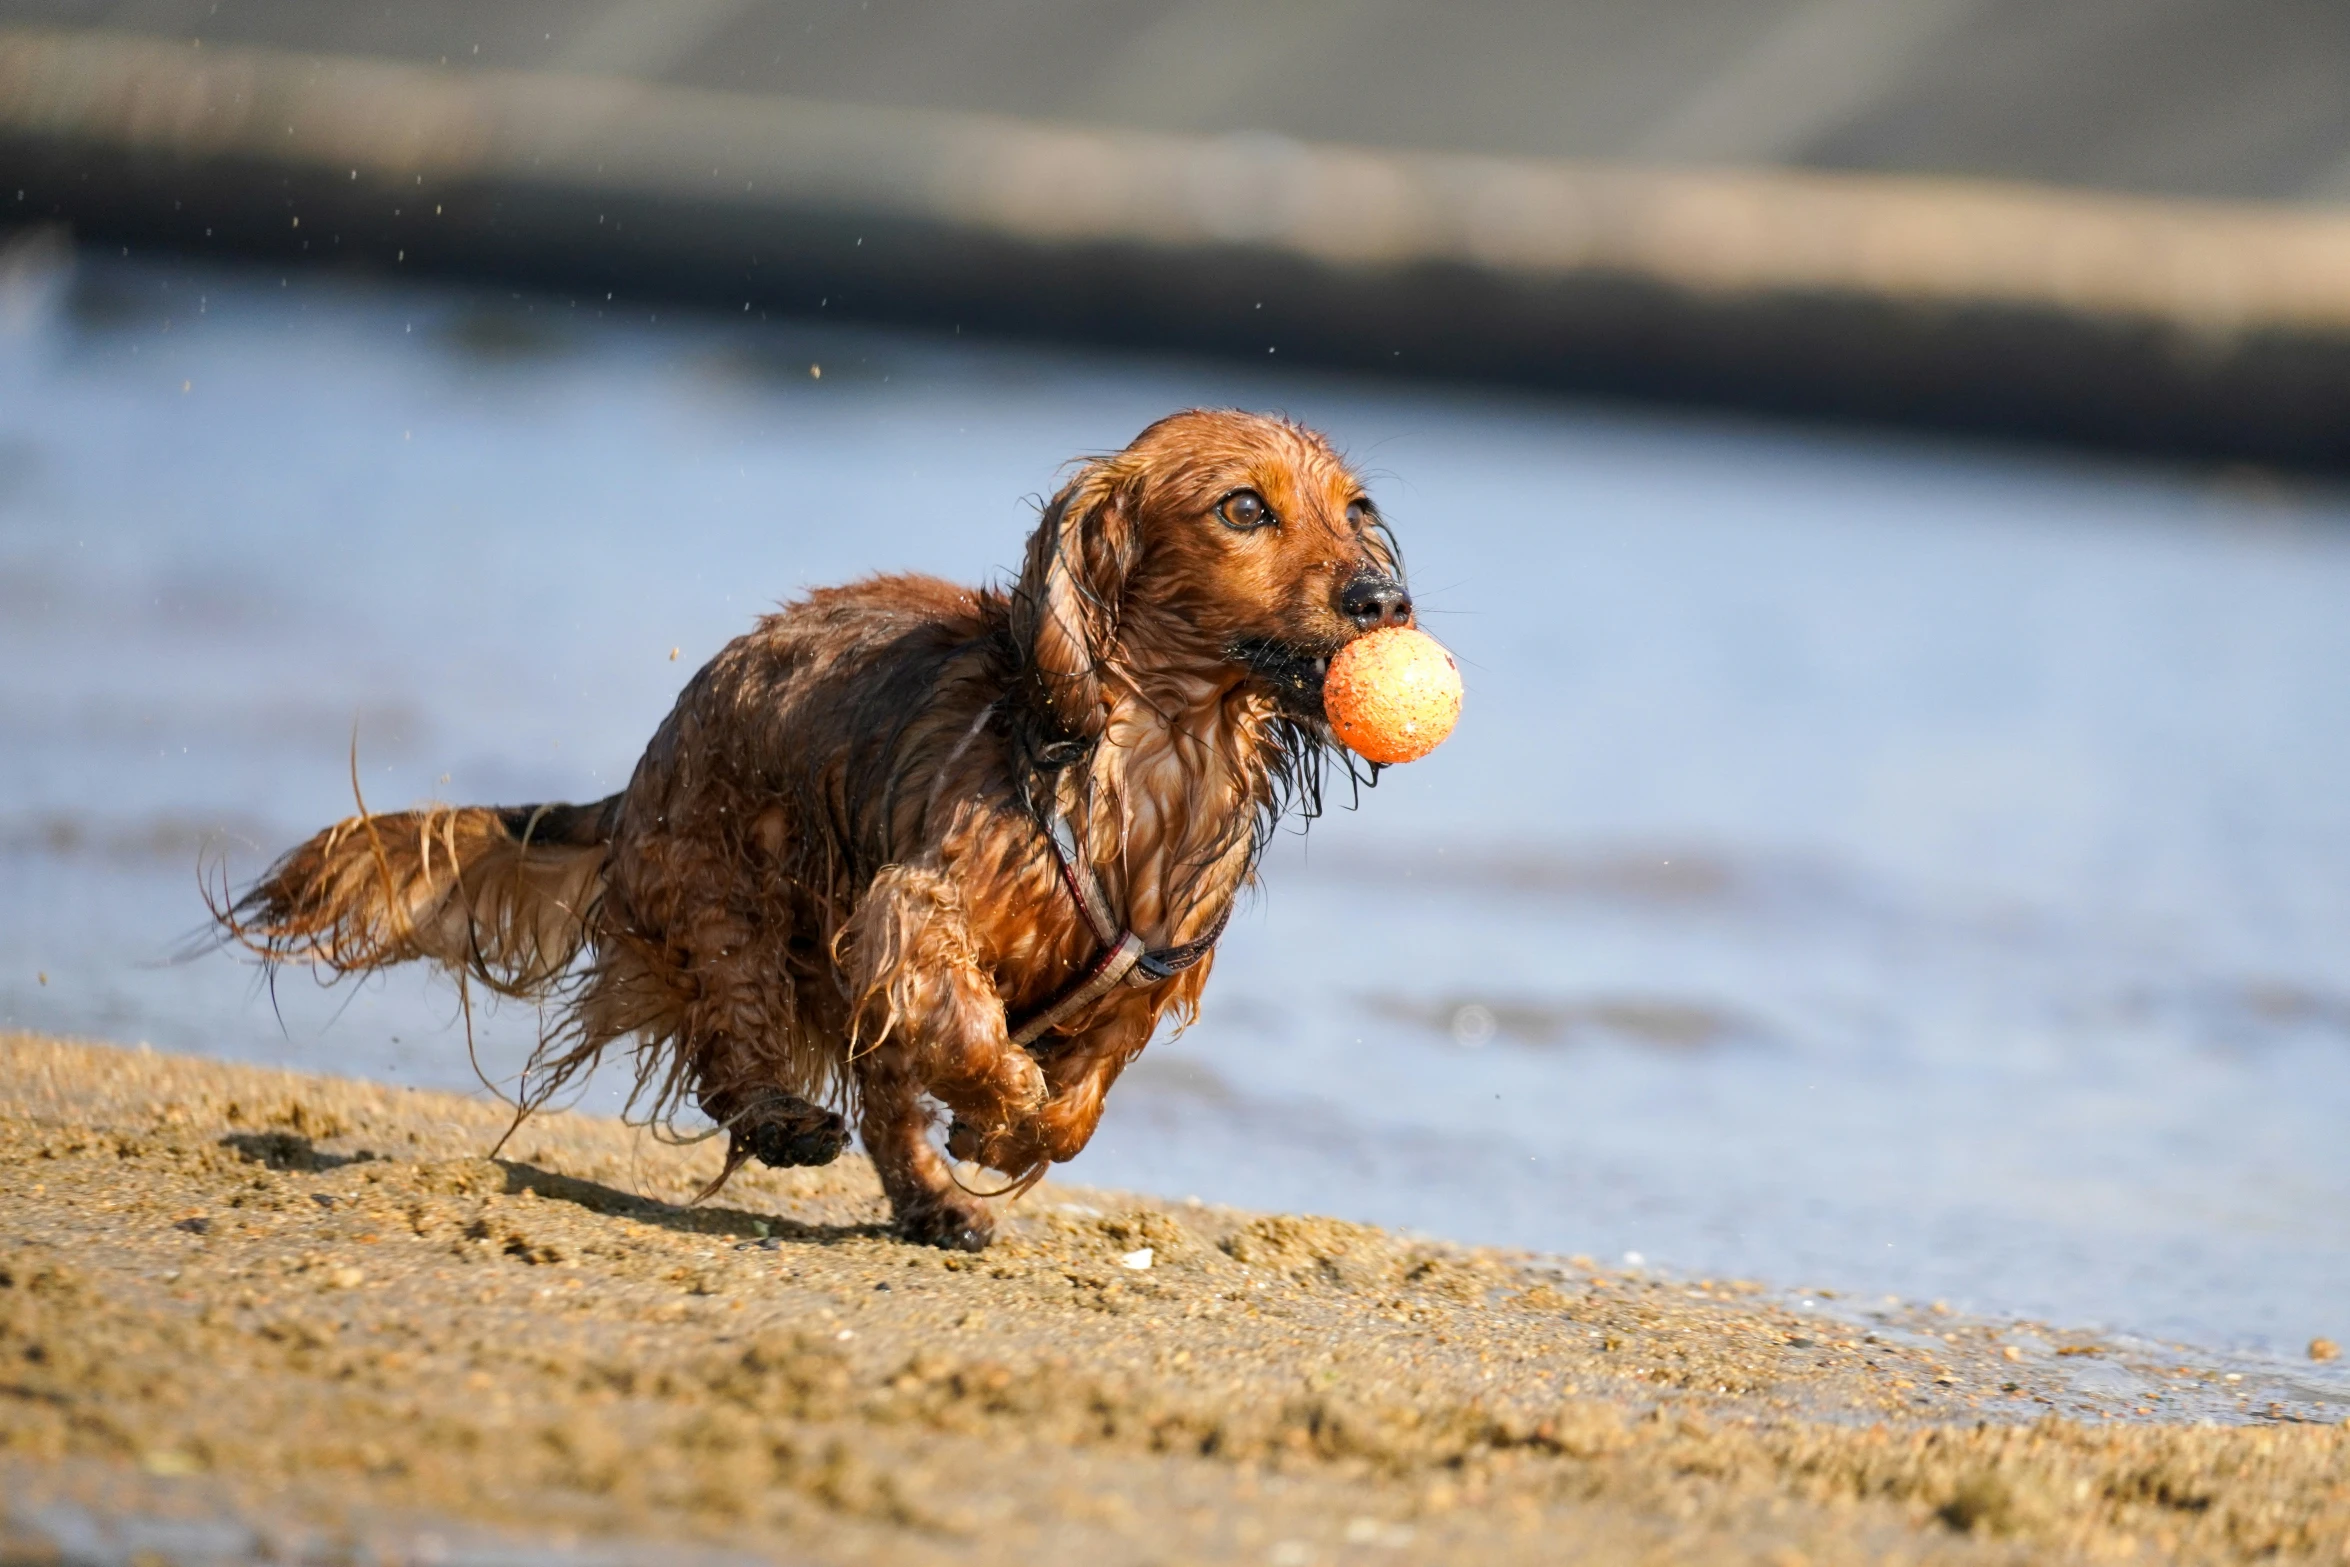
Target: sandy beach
point(246, 1312)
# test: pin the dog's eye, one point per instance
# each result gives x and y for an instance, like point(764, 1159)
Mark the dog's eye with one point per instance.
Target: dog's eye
point(1359, 513)
point(1245, 509)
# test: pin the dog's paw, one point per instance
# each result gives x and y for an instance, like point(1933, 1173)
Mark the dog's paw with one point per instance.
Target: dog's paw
point(1013, 1149)
point(951, 1223)
point(966, 1140)
point(784, 1131)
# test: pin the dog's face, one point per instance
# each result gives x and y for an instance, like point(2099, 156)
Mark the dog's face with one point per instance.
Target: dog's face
point(1224, 535)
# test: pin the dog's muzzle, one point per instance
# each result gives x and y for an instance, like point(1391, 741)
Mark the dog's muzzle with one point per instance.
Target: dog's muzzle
point(1292, 672)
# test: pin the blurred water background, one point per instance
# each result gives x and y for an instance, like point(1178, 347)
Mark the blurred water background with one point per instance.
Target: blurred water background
point(1864, 863)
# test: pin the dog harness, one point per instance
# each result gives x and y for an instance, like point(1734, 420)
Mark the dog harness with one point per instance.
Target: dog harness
point(1124, 959)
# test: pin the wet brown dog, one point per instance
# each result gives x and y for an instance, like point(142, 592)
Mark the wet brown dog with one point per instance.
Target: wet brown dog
point(833, 878)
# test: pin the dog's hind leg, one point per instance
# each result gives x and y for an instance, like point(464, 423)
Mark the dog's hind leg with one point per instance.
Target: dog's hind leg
point(777, 1129)
point(732, 1008)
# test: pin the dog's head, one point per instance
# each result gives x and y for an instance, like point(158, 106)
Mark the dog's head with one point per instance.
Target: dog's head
point(1216, 538)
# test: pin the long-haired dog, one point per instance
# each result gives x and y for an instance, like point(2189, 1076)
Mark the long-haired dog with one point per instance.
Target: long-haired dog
point(907, 842)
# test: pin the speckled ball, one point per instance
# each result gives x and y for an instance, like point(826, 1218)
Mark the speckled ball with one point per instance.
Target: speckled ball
point(1393, 695)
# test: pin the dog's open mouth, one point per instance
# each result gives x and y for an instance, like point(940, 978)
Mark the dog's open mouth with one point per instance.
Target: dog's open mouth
point(1293, 672)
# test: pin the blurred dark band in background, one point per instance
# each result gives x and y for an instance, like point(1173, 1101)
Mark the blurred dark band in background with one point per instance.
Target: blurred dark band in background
point(2113, 222)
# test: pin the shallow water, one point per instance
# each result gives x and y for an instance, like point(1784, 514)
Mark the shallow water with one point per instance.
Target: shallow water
point(1864, 864)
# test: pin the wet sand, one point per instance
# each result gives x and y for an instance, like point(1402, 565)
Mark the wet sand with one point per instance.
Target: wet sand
point(246, 1312)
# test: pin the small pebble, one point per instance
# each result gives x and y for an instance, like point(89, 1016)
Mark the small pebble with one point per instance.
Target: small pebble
point(2324, 1349)
point(1137, 1260)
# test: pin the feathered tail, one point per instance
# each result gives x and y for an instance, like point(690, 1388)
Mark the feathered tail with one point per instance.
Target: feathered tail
point(505, 896)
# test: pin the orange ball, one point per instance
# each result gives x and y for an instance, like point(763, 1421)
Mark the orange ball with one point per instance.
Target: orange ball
point(1392, 695)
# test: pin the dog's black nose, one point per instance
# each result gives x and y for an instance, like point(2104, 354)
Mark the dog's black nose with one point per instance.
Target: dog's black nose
point(1372, 602)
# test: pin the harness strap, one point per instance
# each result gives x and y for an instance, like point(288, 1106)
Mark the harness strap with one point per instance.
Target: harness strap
point(1116, 966)
point(1123, 960)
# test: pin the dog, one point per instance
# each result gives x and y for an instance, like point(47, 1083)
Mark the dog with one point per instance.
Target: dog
point(908, 844)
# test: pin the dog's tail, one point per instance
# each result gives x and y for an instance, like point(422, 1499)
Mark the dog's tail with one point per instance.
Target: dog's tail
point(507, 896)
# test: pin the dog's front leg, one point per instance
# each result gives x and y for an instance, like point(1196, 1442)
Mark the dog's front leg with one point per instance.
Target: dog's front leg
point(928, 1021)
point(1078, 1075)
point(930, 1209)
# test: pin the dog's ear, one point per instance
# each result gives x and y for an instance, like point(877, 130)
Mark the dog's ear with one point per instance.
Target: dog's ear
point(1070, 591)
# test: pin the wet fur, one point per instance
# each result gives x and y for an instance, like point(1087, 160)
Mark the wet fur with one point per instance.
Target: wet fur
point(826, 883)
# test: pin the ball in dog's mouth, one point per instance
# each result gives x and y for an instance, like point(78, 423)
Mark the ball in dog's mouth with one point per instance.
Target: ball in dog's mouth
point(1392, 695)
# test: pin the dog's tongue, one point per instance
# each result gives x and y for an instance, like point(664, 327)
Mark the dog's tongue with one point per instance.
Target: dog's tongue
point(1393, 695)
